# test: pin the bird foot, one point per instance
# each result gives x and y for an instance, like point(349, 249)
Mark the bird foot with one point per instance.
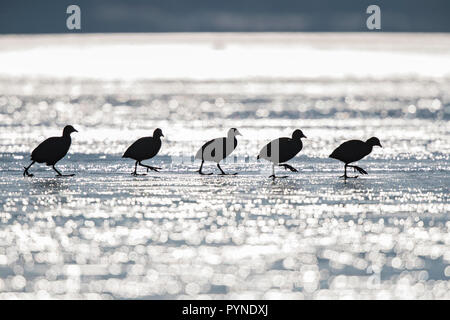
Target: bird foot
point(286, 166)
point(204, 174)
point(228, 174)
point(26, 173)
point(359, 169)
point(138, 174)
point(65, 175)
point(153, 169)
point(279, 177)
point(347, 177)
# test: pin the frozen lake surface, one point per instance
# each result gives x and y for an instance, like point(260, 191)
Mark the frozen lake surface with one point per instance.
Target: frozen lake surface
point(175, 234)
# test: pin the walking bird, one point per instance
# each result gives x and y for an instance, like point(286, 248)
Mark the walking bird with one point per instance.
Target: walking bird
point(218, 149)
point(282, 150)
point(143, 149)
point(352, 151)
point(51, 150)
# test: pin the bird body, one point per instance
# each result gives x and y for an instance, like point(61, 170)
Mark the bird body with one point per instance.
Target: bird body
point(352, 151)
point(287, 149)
point(282, 150)
point(143, 149)
point(218, 149)
point(51, 150)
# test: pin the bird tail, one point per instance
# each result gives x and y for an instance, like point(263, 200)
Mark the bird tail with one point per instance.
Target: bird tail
point(257, 158)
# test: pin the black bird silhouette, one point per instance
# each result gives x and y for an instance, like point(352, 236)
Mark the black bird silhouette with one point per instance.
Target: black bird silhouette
point(218, 149)
point(143, 149)
point(354, 150)
point(281, 150)
point(51, 150)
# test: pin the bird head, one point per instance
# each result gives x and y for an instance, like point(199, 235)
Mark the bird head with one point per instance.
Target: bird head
point(374, 141)
point(68, 130)
point(157, 133)
point(234, 132)
point(298, 134)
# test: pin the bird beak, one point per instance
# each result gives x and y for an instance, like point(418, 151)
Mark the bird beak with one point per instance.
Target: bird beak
point(238, 133)
point(162, 135)
point(75, 130)
point(304, 137)
point(380, 145)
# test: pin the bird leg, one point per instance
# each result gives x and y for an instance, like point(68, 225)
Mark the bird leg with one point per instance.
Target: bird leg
point(200, 170)
point(223, 172)
point(273, 176)
point(286, 166)
point(345, 176)
point(135, 169)
point(359, 169)
point(60, 174)
point(25, 172)
point(134, 173)
point(149, 167)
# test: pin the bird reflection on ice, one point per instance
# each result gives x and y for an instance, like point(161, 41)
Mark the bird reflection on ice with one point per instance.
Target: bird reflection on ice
point(51, 185)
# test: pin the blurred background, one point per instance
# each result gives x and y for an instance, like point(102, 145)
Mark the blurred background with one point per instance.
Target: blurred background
point(195, 69)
